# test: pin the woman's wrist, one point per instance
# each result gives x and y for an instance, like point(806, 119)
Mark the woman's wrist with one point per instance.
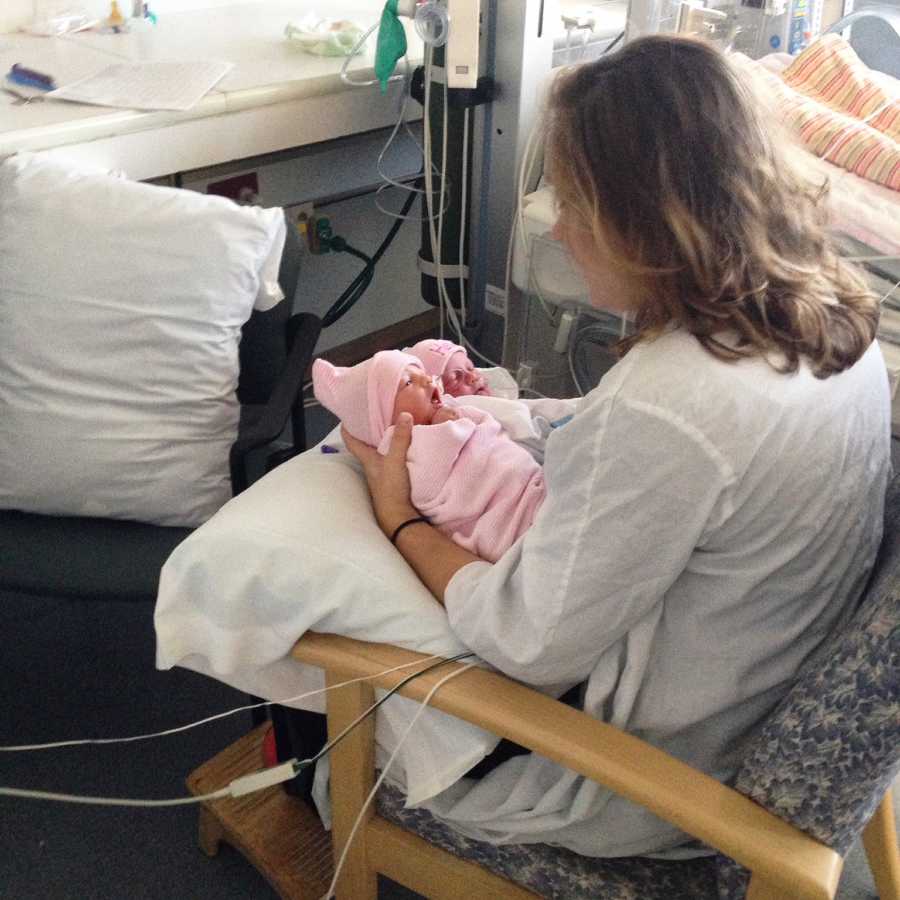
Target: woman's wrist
point(393, 519)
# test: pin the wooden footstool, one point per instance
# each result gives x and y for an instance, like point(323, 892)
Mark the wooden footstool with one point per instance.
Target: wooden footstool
point(279, 834)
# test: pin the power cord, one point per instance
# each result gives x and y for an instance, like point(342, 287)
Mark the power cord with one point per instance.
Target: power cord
point(354, 291)
point(256, 781)
point(56, 745)
point(337, 869)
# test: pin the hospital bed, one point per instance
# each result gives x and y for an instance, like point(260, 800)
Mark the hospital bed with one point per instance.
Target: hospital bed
point(205, 622)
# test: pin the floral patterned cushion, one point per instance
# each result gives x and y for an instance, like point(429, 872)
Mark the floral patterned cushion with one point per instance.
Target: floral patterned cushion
point(826, 756)
point(557, 873)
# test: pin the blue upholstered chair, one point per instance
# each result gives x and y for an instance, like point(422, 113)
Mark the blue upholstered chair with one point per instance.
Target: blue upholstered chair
point(820, 769)
point(111, 559)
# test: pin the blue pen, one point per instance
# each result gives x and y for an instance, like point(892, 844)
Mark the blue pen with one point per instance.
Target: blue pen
point(19, 74)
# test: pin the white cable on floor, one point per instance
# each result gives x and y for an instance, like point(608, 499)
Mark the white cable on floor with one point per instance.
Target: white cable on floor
point(337, 870)
point(230, 712)
point(111, 801)
point(245, 784)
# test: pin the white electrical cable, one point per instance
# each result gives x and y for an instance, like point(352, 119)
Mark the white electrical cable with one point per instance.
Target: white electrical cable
point(438, 251)
point(111, 801)
point(429, 194)
point(888, 294)
point(462, 220)
point(389, 182)
point(526, 172)
point(254, 781)
point(230, 712)
point(584, 42)
point(578, 387)
point(356, 49)
point(406, 77)
point(337, 869)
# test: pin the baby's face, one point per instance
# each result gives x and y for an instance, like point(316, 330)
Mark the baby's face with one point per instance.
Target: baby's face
point(419, 395)
point(461, 378)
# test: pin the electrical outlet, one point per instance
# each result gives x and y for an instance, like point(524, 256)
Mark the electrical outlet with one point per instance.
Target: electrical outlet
point(302, 215)
point(242, 189)
point(495, 300)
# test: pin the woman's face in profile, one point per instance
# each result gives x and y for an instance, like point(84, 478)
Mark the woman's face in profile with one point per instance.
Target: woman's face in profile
point(607, 286)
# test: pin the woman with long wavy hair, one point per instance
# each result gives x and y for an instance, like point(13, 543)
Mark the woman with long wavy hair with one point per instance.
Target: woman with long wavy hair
point(714, 506)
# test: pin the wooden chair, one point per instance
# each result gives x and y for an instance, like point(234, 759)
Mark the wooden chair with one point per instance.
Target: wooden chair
point(822, 765)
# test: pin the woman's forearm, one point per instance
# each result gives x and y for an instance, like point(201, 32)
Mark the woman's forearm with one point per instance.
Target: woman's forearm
point(433, 556)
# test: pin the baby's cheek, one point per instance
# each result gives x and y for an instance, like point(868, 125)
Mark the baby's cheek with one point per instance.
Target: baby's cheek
point(449, 386)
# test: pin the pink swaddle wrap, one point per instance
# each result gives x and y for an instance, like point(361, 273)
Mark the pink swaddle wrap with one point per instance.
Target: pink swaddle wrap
point(475, 484)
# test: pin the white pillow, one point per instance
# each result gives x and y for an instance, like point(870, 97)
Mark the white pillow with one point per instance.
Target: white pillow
point(299, 551)
point(121, 305)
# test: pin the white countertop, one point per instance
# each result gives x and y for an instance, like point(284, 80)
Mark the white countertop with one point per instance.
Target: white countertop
point(268, 70)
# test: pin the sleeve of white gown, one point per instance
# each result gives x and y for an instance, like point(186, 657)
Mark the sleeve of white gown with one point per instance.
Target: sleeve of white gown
point(630, 489)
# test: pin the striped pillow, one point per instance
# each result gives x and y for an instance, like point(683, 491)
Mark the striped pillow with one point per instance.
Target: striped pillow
point(830, 72)
point(828, 132)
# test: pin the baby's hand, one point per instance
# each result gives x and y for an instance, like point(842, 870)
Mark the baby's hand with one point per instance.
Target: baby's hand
point(444, 414)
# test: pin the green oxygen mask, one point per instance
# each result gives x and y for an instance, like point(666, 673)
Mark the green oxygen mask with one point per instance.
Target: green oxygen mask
point(432, 24)
point(391, 45)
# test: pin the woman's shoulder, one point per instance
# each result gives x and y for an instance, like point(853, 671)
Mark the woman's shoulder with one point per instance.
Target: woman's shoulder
point(734, 406)
point(670, 371)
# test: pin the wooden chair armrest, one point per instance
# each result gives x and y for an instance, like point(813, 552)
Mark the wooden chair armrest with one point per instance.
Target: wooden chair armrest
point(698, 804)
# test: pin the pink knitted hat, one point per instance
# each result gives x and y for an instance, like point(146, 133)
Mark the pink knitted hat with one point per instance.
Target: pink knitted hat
point(362, 396)
point(434, 354)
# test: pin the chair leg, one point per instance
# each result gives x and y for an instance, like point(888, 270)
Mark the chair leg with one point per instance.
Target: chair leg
point(211, 832)
point(880, 843)
point(352, 778)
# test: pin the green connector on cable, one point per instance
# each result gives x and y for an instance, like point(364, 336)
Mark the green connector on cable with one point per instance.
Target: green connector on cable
point(323, 237)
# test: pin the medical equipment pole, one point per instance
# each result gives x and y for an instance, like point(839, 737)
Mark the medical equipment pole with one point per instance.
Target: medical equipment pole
point(517, 52)
point(453, 214)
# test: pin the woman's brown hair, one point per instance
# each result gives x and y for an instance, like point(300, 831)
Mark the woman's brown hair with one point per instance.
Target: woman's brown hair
point(661, 155)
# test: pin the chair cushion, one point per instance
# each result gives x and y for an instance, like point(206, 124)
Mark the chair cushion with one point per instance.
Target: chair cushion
point(826, 756)
point(70, 556)
point(829, 752)
point(555, 872)
point(121, 306)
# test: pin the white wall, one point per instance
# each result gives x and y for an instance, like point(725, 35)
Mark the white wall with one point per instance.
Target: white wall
point(15, 14)
point(344, 166)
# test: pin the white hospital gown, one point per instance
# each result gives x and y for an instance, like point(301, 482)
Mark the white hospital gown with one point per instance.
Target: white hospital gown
point(706, 526)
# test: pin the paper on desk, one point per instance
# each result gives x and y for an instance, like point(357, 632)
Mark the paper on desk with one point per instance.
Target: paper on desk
point(147, 85)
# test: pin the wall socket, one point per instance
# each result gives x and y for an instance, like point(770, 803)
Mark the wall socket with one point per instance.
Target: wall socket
point(495, 300)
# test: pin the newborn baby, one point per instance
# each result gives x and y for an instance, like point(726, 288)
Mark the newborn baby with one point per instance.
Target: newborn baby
point(452, 365)
point(466, 475)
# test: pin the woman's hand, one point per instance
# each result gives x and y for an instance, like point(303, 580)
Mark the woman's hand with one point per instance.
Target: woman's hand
point(387, 476)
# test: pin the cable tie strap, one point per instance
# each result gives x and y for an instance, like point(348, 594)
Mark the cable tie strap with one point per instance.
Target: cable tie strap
point(427, 267)
point(403, 525)
point(256, 781)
